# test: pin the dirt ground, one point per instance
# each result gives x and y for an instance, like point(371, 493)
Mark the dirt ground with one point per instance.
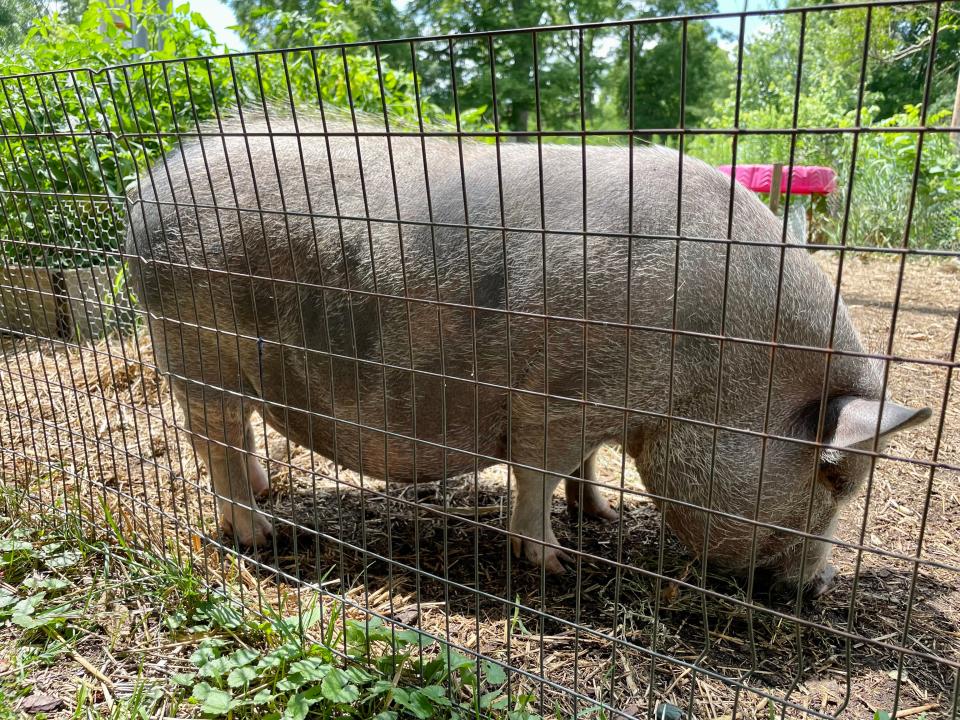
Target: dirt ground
point(84, 426)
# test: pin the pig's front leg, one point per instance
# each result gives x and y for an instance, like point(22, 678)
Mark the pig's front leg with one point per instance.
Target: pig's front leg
point(531, 521)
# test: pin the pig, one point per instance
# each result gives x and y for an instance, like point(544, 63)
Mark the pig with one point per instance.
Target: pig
point(417, 307)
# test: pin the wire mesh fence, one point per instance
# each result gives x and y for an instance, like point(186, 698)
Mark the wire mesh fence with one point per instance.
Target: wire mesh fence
point(351, 329)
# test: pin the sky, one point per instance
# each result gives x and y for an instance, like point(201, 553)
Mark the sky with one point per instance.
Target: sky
point(732, 25)
point(221, 17)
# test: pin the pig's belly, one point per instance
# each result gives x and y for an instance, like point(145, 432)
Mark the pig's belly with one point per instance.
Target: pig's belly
point(390, 445)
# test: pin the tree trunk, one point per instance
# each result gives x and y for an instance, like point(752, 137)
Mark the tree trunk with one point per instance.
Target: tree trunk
point(522, 123)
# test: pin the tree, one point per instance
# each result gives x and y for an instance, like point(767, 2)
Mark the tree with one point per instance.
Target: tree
point(659, 64)
point(558, 56)
point(367, 19)
point(900, 67)
point(599, 56)
point(16, 16)
point(603, 54)
point(830, 69)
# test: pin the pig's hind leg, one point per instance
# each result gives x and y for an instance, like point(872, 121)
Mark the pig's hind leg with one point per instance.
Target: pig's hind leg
point(259, 480)
point(531, 524)
point(219, 431)
point(586, 494)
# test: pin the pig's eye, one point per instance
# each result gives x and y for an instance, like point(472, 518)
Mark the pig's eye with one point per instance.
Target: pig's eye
point(837, 478)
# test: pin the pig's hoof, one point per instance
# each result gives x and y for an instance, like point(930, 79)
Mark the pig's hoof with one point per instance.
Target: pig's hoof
point(599, 509)
point(550, 559)
point(821, 582)
point(248, 529)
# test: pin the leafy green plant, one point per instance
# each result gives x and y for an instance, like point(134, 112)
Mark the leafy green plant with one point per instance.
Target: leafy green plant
point(243, 664)
point(64, 159)
point(827, 97)
point(75, 139)
point(379, 672)
point(884, 182)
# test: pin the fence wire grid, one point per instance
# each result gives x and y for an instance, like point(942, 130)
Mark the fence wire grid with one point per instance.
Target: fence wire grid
point(351, 350)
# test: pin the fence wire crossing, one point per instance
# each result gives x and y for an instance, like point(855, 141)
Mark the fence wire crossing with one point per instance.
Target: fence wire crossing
point(341, 319)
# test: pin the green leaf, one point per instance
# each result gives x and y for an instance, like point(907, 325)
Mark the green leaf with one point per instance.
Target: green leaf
point(457, 661)
point(28, 622)
point(298, 623)
point(222, 614)
point(214, 701)
point(291, 683)
point(262, 697)
point(217, 665)
point(310, 669)
point(201, 690)
point(287, 651)
point(436, 694)
point(358, 675)
point(184, 679)
point(493, 701)
point(414, 701)
point(380, 687)
point(494, 673)
point(297, 708)
point(10, 546)
point(63, 560)
point(243, 656)
point(218, 702)
point(54, 584)
point(412, 637)
point(176, 620)
point(28, 605)
point(207, 651)
point(360, 634)
point(241, 676)
point(337, 688)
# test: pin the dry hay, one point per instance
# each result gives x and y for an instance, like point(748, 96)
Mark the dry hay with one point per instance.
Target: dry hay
point(85, 427)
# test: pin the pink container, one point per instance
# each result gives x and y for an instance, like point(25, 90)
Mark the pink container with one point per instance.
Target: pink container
point(807, 179)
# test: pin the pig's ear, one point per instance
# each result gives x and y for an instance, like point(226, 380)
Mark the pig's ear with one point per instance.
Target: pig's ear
point(852, 421)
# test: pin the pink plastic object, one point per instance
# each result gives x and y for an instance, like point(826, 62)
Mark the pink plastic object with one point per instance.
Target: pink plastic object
point(807, 179)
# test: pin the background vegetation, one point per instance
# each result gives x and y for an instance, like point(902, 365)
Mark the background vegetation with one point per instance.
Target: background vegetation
point(73, 141)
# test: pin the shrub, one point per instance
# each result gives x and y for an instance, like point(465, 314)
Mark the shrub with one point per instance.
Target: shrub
point(883, 184)
point(75, 139)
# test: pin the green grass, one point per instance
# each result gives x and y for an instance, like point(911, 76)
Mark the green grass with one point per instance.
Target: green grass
point(72, 602)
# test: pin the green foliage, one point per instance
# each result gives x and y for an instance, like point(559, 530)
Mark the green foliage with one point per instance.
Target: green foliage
point(883, 186)
point(558, 59)
point(658, 62)
point(899, 71)
point(378, 672)
point(829, 92)
point(829, 86)
point(77, 139)
point(56, 581)
point(367, 19)
point(15, 19)
point(297, 75)
point(40, 608)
